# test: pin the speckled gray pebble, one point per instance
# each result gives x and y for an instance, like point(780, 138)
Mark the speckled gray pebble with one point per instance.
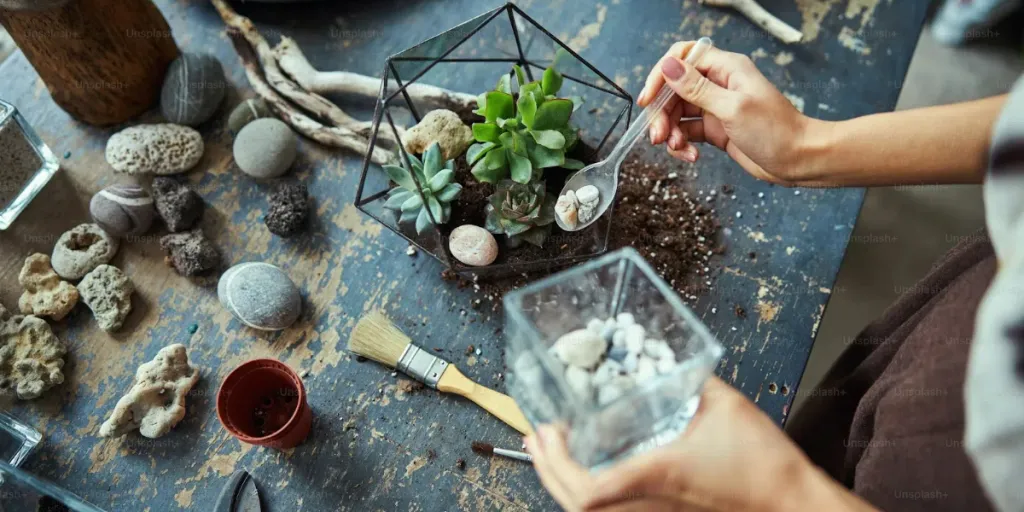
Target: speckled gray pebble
point(265, 148)
point(81, 249)
point(178, 205)
point(260, 295)
point(193, 88)
point(246, 112)
point(122, 210)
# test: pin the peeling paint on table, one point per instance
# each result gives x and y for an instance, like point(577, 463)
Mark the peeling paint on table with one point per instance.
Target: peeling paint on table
point(376, 443)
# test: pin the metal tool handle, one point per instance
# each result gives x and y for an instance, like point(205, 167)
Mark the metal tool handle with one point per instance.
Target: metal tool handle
point(644, 120)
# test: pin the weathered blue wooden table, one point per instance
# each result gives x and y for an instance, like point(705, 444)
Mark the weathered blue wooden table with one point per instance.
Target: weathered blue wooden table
point(375, 446)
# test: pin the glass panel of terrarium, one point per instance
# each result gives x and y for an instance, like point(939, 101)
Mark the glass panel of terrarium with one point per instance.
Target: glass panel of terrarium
point(605, 108)
point(414, 60)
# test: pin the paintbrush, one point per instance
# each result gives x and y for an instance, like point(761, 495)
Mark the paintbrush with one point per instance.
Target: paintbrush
point(489, 449)
point(375, 337)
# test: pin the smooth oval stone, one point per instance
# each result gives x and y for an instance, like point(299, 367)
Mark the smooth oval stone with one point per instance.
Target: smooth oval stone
point(265, 148)
point(122, 210)
point(246, 112)
point(260, 295)
point(193, 88)
point(473, 245)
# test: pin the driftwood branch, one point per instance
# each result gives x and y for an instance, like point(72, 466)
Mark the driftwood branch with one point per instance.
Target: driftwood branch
point(754, 12)
point(335, 136)
point(310, 101)
point(297, 66)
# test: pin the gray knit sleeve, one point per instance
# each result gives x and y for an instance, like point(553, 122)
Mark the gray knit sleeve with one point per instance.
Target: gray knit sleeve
point(994, 388)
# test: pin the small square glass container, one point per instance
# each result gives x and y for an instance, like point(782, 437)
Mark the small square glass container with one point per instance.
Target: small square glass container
point(17, 440)
point(26, 164)
point(22, 490)
point(655, 411)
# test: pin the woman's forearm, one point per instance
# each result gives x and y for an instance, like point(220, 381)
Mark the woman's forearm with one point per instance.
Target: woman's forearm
point(934, 145)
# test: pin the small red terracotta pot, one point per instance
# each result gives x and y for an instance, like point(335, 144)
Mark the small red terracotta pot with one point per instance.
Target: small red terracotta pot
point(263, 402)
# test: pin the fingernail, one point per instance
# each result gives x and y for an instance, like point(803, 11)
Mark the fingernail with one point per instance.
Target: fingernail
point(672, 69)
point(674, 141)
point(655, 132)
point(642, 96)
point(691, 154)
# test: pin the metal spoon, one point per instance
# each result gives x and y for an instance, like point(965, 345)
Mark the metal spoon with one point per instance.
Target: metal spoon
point(605, 174)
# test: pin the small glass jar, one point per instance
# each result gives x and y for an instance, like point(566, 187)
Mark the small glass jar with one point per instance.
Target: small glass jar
point(17, 440)
point(24, 491)
point(26, 164)
point(657, 408)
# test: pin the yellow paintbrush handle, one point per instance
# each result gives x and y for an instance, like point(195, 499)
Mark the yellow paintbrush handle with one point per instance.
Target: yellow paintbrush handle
point(501, 406)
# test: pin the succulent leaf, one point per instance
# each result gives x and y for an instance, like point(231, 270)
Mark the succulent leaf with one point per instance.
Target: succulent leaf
point(520, 165)
point(572, 163)
point(449, 193)
point(415, 201)
point(551, 82)
point(409, 216)
point(401, 176)
point(551, 139)
point(431, 160)
point(520, 77)
point(492, 168)
point(397, 197)
point(441, 180)
point(422, 221)
point(500, 104)
point(527, 106)
point(553, 114)
point(477, 151)
point(486, 132)
point(542, 157)
point(504, 84)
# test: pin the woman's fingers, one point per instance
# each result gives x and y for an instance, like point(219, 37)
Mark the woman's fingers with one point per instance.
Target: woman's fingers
point(654, 79)
point(563, 477)
point(676, 137)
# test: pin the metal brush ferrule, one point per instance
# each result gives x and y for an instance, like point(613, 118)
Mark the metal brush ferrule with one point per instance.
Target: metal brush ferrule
point(422, 365)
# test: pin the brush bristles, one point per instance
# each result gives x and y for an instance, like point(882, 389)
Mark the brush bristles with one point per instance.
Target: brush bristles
point(375, 337)
point(482, 448)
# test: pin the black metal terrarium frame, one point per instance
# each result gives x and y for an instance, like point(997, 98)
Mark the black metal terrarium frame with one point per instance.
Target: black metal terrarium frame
point(398, 96)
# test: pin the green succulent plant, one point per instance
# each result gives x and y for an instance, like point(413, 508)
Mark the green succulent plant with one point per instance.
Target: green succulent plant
point(522, 135)
point(438, 179)
point(523, 212)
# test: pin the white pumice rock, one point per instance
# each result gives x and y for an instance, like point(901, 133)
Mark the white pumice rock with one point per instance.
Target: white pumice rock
point(646, 368)
point(608, 394)
point(608, 330)
point(582, 348)
point(625, 319)
point(657, 349)
point(589, 197)
point(629, 364)
point(579, 381)
point(666, 365)
point(595, 325)
point(635, 338)
point(567, 209)
point(619, 338)
point(605, 372)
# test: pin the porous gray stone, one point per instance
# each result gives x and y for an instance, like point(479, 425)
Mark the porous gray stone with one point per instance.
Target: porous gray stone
point(108, 293)
point(160, 149)
point(193, 88)
point(122, 210)
point(178, 205)
point(265, 148)
point(289, 209)
point(246, 112)
point(82, 249)
point(260, 295)
point(190, 253)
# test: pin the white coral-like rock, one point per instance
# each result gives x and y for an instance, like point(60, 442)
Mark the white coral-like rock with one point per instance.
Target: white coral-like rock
point(154, 149)
point(31, 356)
point(156, 401)
point(45, 293)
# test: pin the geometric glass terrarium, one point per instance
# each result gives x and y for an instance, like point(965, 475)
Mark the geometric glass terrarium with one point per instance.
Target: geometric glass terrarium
point(468, 60)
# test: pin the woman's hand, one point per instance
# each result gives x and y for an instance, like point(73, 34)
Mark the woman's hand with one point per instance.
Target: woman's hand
point(731, 458)
point(742, 113)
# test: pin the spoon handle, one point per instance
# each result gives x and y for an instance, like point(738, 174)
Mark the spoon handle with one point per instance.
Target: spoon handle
point(644, 120)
